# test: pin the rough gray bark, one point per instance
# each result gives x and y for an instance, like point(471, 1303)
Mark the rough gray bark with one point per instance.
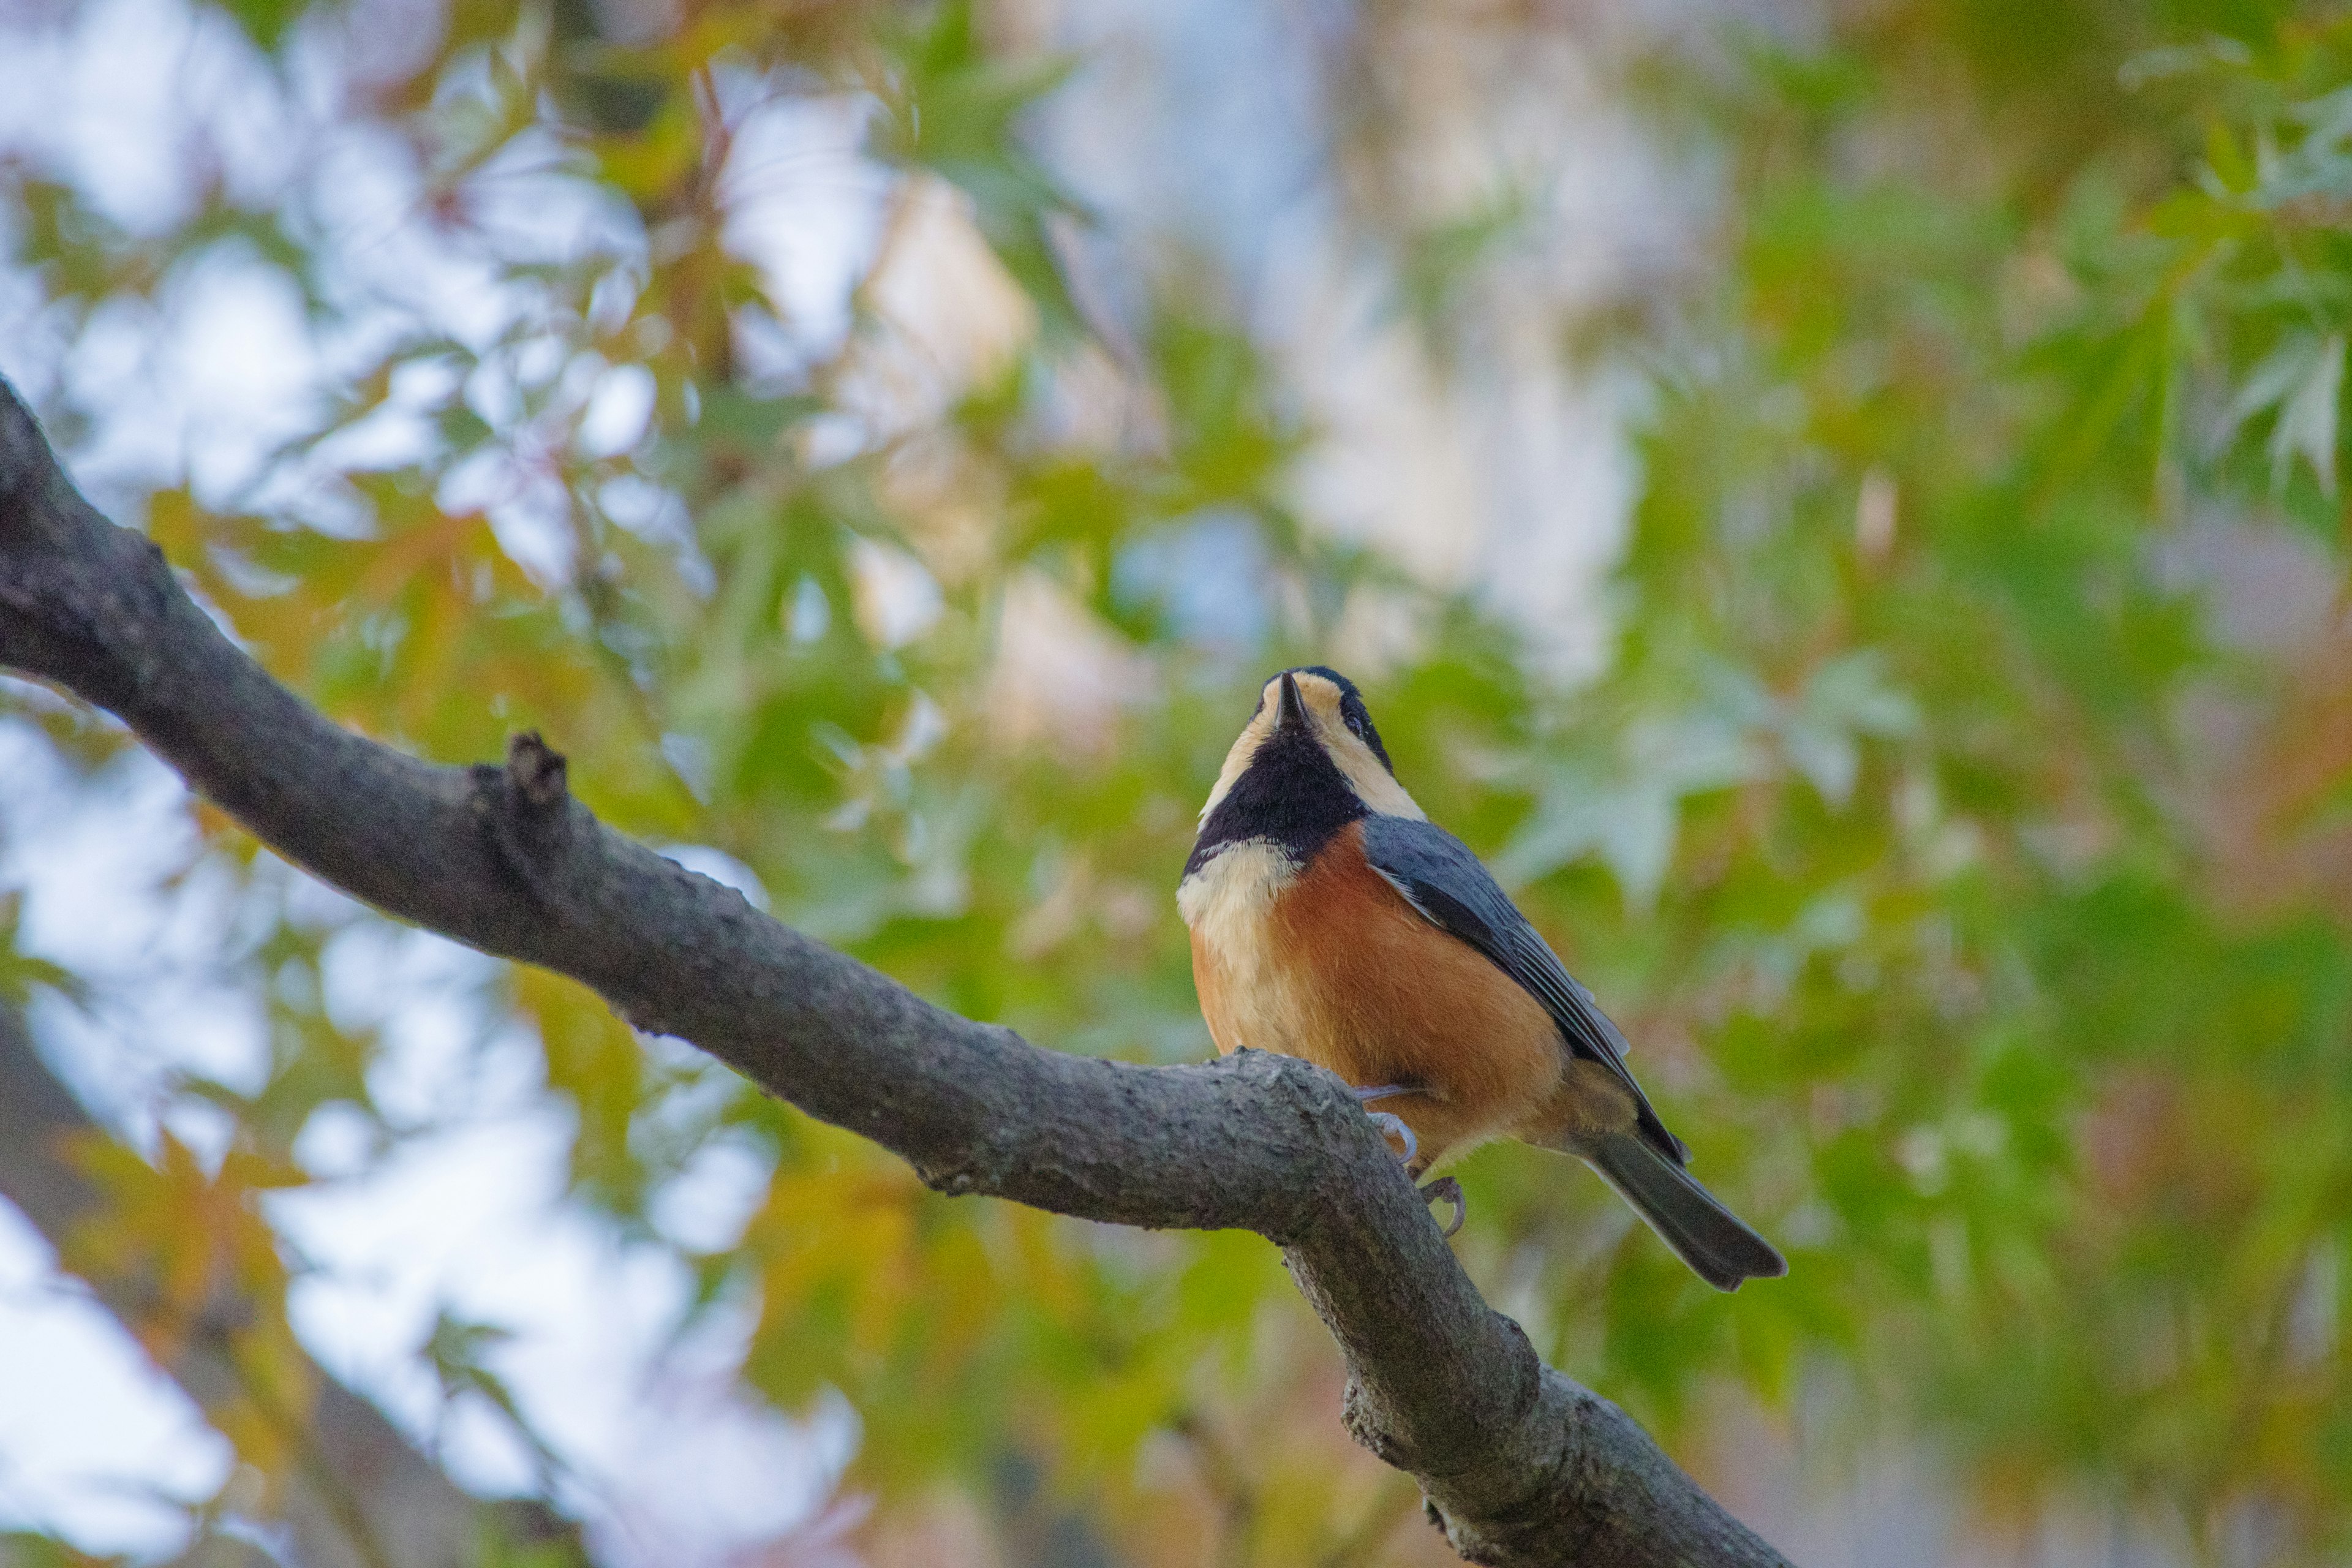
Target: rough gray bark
point(360, 1497)
point(1519, 1465)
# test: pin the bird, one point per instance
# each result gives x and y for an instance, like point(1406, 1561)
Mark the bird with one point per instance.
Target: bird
point(1332, 920)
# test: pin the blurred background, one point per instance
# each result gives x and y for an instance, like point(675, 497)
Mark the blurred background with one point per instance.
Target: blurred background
point(1838, 500)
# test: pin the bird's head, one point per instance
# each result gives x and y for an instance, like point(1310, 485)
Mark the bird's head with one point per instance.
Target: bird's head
point(1307, 763)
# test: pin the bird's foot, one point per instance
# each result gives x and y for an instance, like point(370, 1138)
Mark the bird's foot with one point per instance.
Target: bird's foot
point(1394, 1127)
point(1445, 1189)
point(1389, 1123)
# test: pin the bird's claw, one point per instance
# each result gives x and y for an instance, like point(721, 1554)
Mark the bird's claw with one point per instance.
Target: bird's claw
point(1445, 1189)
point(1393, 1126)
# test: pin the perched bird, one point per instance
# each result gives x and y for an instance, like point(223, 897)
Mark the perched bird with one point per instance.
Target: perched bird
point(1332, 920)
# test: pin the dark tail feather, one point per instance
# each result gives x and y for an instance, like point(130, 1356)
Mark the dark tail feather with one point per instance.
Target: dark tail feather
point(1714, 1241)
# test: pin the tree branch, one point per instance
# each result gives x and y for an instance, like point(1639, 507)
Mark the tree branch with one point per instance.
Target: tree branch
point(1519, 1465)
point(359, 1496)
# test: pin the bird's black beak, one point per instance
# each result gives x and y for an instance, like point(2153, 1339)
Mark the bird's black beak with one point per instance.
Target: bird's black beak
point(1293, 710)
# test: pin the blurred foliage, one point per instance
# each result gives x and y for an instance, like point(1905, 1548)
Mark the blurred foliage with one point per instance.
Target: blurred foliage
point(1960, 824)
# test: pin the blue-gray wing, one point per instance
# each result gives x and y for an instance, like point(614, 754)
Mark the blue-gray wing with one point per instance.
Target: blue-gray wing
point(1438, 876)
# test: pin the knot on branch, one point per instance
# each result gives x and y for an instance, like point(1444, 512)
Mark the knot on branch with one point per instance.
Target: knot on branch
point(955, 1184)
point(1510, 1406)
point(525, 810)
point(535, 770)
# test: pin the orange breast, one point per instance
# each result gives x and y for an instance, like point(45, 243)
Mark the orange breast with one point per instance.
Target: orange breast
point(1340, 969)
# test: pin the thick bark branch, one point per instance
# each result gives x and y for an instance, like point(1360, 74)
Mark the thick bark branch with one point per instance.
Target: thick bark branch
point(360, 1495)
point(1519, 1465)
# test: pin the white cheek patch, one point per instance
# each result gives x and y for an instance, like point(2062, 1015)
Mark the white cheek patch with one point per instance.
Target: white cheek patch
point(1237, 760)
point(1373, 784)
point(1226, 902)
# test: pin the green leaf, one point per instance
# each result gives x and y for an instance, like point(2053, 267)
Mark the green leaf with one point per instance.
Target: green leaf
point(265, 21)
point(2308, 418)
